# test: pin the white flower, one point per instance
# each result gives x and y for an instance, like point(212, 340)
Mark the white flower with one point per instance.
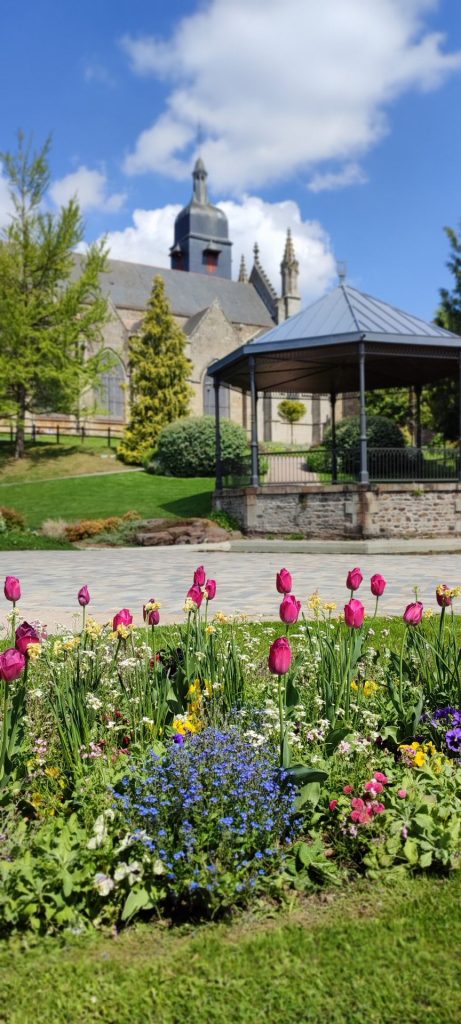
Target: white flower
point(103, 883)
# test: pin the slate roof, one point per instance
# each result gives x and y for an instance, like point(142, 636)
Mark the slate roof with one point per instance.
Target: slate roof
point(129, 286)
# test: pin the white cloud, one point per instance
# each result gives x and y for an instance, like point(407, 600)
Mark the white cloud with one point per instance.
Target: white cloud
point(90, 187)
point(350, 174)
point(96, 72)
point(278, 88)
point(252, 220)
point(6, 205)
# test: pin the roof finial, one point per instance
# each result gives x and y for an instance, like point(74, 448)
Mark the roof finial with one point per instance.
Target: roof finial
point(243, 276)
point(341, 270)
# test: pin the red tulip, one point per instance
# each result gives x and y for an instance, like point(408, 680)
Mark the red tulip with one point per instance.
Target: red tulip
point(195, 594)
point(290, 609)
point(378, 585)
point(152, 615)
point(280, 656)
point(354, 579)
point(354, 613)
point(83, 596)
point(210, 589)
point(443, 596)
point(284, 581)
point(413, 613)
point(200, 576)
point(12, 664)
point(12, 589)
point(122, 618)
point(25, 636)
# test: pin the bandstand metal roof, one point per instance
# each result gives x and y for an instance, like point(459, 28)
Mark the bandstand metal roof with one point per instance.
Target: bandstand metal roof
point(316, 351)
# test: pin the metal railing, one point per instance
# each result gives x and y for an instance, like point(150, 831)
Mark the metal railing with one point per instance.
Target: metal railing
point(316, 465)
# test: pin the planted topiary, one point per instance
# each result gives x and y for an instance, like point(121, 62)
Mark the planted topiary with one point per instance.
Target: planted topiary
point(187, 448)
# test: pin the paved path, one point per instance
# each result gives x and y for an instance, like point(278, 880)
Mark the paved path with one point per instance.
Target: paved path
point(125, 577)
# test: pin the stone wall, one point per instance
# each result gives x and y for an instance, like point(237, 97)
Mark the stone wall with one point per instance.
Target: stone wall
point(346, 511)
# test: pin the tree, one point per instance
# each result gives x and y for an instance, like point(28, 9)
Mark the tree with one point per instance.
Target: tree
point(159, 370)
point(444, 396)
point(399, 405)
point(51, 318)
point(291, 411)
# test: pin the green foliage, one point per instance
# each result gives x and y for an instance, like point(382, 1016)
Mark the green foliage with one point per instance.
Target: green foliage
point(50, 318)
point(381, 433)
point(187, 448)
point(444, 395)
point(159, 370)
point(291, 411)
point(399, 405)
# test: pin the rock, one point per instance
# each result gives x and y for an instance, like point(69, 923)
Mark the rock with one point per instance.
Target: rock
point(156, 532)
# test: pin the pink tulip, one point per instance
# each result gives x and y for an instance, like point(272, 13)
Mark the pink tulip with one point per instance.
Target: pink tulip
point(354, 613)
point(290, 609)
point(443, 596)
point(354, 579)
point(122, 618)
point(413, 613)
point(153, 615)
point(200, 576)
point(25, 636)
point(83, 596)
point(12, 664)
point(12, 589)
point(280, 656)
point(284, 581)
point(210, 589)
point(196, 594)
point(378, 585)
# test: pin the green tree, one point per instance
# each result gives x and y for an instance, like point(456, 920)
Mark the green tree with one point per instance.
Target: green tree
point(50, 317)
point(291, 411)
point(399, 405)
point(159, 370)
point(444, 396)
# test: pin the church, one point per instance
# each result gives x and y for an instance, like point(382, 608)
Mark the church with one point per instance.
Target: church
point(216, 313)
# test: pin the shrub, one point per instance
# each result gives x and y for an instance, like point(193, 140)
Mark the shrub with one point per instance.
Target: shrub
point(56, 529)
point(187, 448)
point(381, 433)
point(14, 520)
point(93, 527)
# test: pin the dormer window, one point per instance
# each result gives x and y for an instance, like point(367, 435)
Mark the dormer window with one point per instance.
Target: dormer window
point(177, 258)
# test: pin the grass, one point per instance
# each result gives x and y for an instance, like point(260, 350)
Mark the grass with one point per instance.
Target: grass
point(16, 540)
point(44, 460)
point(375, 954)
point(99, 497)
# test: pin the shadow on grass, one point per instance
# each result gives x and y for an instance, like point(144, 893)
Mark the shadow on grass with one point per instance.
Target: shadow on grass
point(195, 505)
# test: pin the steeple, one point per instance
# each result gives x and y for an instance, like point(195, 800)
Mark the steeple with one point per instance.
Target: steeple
point(290, 301)
point(243, 276)
point(199, 177)
point(201, 232)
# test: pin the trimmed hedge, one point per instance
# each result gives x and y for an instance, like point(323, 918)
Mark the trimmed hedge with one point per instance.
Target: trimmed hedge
point(186, 448)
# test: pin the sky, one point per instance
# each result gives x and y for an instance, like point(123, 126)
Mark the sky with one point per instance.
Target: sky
point(336, 118)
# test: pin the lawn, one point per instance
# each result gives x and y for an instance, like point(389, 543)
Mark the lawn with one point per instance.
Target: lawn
point(377, 954)
point(98, 497)
point(46, 460)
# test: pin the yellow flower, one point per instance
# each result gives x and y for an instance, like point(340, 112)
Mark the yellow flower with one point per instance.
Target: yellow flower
point(53, 773)
point(34, 651)
point(152, 606)
point(210, 630)
point(455, 591)
point(220, 617)
point(428, 613)
point(354, 685)
point(71, 644)
point(57, 648)
point(93, 628)
point(370, 687)
point(330, 606)
point(315, 601)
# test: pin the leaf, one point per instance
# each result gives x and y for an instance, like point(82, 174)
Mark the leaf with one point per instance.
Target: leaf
point(308, 794)
point(304, 854)
point(411, 851)
point(301, 773)
point(137, 899)
point(335, 737)
point(291, 695)
point(286, 752)
point(425, 860)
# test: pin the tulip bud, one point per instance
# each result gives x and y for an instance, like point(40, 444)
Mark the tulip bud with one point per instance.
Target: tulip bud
point(354, 579)
point(12, 664)
point(195, 593)
point(83, 596)
point(200, 576)
point(26, 635)
point(290, 609)
point(354, 613)
point(443, 596)
point(122, 618)
point(378, 585)
point(12, 589)
point(210, 589)
point(150, 612)
point(280, 656)
point(413, 613)
point(284, 581)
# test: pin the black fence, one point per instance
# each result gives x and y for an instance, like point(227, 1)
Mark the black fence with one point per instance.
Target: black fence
point(60, 432)
point(316, 465)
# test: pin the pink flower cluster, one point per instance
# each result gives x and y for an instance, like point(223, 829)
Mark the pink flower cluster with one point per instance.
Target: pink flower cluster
point(354, 611)
point(201, 587)
point(363, 809)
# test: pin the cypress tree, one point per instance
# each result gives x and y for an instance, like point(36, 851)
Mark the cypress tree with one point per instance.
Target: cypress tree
point(159, 369)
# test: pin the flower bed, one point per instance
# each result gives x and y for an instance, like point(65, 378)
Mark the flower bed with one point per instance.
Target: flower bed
point(180, 772)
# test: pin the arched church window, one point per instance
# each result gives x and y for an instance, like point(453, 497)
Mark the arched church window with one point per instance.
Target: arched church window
point(209, 401)
point(111, 391)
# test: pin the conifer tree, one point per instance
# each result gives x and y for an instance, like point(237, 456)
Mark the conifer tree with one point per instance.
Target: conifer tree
point(159, 370)
point(51, 318)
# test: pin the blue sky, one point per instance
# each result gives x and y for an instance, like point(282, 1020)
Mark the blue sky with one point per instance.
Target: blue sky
point(338, 118)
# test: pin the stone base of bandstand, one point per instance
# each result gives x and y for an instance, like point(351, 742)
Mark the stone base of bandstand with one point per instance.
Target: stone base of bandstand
point(346, 511)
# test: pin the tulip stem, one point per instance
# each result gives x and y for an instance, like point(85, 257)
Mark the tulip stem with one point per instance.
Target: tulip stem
point(376, 606)
point(281, 719)
point(402, 647)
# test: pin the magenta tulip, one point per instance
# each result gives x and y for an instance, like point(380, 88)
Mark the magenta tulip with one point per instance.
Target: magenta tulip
point(122, 618)
point(83, 596)
point(443, 596)
point(12, 664)
point(290, 609)
point(284, 581)
point(210, 589)
point(200, 576)
point(12, 589)
point(378, 585)
point(413, 613)
point(354, 613)
point(354, 579)
point(25, 636)
point(280, 656)
point(196, 594)
point(151, 615)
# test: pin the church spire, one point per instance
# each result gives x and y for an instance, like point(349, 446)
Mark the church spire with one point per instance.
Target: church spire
point(199, 177)
point(289, 268)
point(243, 276)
